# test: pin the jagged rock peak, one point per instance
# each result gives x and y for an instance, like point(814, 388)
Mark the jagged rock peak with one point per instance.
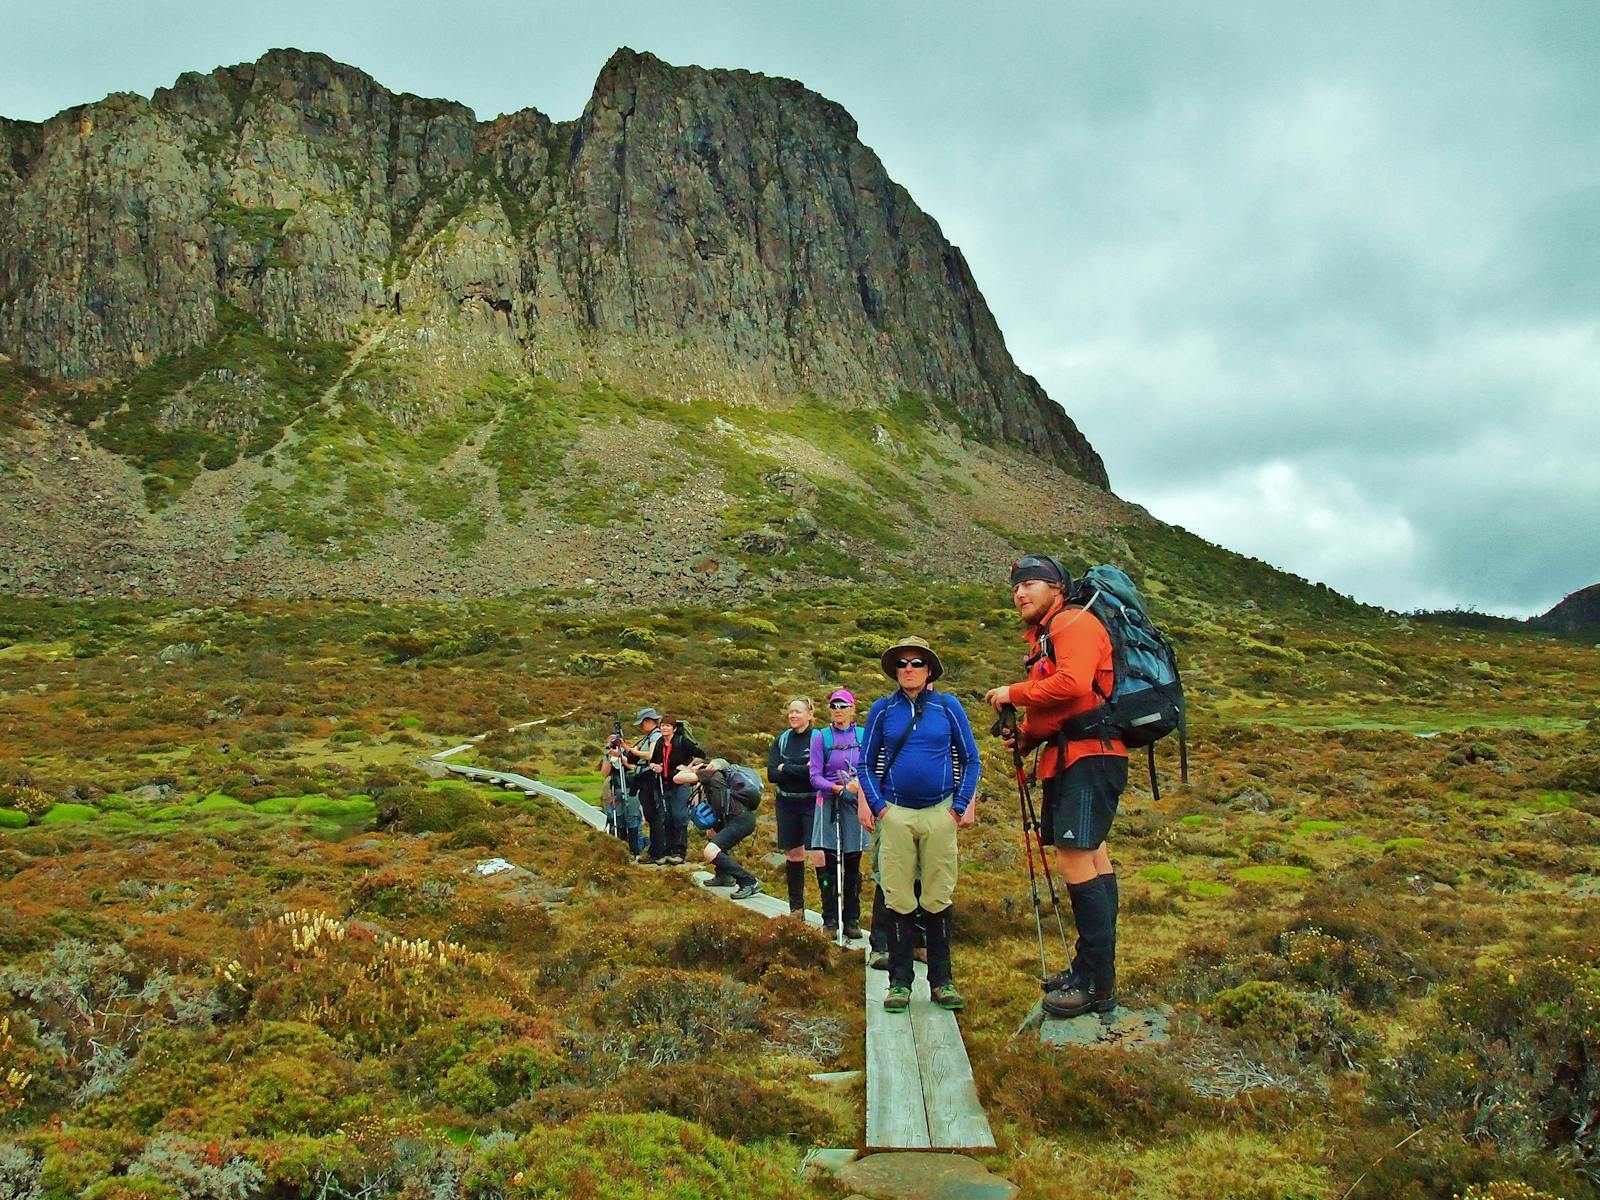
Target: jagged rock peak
point(691, 229)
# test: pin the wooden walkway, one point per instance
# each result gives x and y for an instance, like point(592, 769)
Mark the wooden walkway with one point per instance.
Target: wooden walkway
point(920, 1091)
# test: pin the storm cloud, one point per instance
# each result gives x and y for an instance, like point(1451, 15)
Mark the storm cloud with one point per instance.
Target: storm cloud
point(1320, 282)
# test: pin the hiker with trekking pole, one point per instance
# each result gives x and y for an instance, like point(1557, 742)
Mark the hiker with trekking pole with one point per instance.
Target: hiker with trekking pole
point(837, 835)
point(624, 814)
point(1099, 676)
point(644, 785)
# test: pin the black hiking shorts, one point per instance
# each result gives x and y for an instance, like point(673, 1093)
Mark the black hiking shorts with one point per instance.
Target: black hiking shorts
point(794, 821)
point(1081, 803)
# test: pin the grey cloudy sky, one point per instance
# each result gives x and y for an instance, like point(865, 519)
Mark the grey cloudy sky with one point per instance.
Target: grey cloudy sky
point(1320, 281)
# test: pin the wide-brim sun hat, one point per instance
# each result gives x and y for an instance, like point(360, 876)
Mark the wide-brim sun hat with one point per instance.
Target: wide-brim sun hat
point(646, 714)
point(911, 643)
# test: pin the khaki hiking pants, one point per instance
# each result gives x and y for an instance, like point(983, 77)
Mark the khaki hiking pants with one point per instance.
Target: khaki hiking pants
point(913, 843)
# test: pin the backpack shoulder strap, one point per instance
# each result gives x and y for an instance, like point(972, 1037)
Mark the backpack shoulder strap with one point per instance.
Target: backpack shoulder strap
point(911, 727)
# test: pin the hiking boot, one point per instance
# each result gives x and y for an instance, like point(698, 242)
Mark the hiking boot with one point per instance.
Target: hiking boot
point(832, 931)
point(722, 881)
point(672, 860)
point(1062, 981)
point(745, 891)
point(878, 961)
point(1076, 1001)
point(852, 931)
point(946, 996)
point(648, 860)
point(799, 914)
point(898, 1000)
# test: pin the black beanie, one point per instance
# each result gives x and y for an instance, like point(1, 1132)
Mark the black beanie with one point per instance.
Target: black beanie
point(1039, 566)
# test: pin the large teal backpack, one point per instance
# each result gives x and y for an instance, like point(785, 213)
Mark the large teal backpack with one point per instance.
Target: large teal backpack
point(1146, 701)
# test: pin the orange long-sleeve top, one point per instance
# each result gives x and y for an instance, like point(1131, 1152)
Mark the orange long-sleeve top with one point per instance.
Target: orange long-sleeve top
point(1056, 691)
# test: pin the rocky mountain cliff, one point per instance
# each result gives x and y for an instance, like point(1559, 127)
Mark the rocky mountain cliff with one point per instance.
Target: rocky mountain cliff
point(1579, 613)
point(693, 231)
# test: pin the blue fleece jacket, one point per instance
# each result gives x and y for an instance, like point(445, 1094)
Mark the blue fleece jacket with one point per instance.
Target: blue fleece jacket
point(938, 760)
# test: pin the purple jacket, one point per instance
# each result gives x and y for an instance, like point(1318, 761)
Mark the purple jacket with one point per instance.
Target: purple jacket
point(845, 756)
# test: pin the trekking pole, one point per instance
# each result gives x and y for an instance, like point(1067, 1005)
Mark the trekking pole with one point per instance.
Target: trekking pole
point(1005, 723)
point(1033, 839)
point(838, 866)
point(1044, 861)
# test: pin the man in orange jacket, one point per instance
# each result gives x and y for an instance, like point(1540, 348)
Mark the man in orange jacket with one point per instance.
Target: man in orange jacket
point(1070, 675)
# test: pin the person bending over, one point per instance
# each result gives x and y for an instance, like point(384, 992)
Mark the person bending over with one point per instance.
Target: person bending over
point(732, 793)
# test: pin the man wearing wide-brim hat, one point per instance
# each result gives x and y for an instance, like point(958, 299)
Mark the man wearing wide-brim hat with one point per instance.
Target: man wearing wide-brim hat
point(919, 774)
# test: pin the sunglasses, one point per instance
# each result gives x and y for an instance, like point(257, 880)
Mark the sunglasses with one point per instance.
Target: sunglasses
point(841, 704)
point(903, 663)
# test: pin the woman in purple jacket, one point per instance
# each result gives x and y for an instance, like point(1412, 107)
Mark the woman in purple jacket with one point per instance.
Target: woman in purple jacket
point(836, 830)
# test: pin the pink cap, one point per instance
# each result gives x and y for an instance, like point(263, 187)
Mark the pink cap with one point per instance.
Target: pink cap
point(842, 694)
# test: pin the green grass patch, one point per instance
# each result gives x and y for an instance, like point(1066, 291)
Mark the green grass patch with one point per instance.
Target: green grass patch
point(1206, 889)
point(45, 651)
point(1550, 802)
point(10, 818)
point(282, 804)
point(1271, 873)
point(171, 812)
point(349, 808)
point(1161, 873)
point(1405, 843)
point(69, 814)
point(217, 802)
point(1319, 826)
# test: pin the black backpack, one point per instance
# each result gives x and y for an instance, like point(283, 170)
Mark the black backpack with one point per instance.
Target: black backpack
point(1146, 701)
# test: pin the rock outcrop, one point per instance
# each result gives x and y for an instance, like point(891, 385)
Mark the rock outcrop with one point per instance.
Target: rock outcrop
point(1579, 613)
point(691, 230)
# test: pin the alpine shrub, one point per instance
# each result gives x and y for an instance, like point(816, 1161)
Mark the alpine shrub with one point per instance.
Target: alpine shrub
point(883, 620)
point(197, 1172)
point(1312, 1026)
point(1511, 1063)
point(605, 1157)
point(666, 1015)
point(729, 1104)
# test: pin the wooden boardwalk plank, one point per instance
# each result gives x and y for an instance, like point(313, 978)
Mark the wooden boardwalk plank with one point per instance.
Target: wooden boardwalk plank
point(897, 1118)
point(955, 1118)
